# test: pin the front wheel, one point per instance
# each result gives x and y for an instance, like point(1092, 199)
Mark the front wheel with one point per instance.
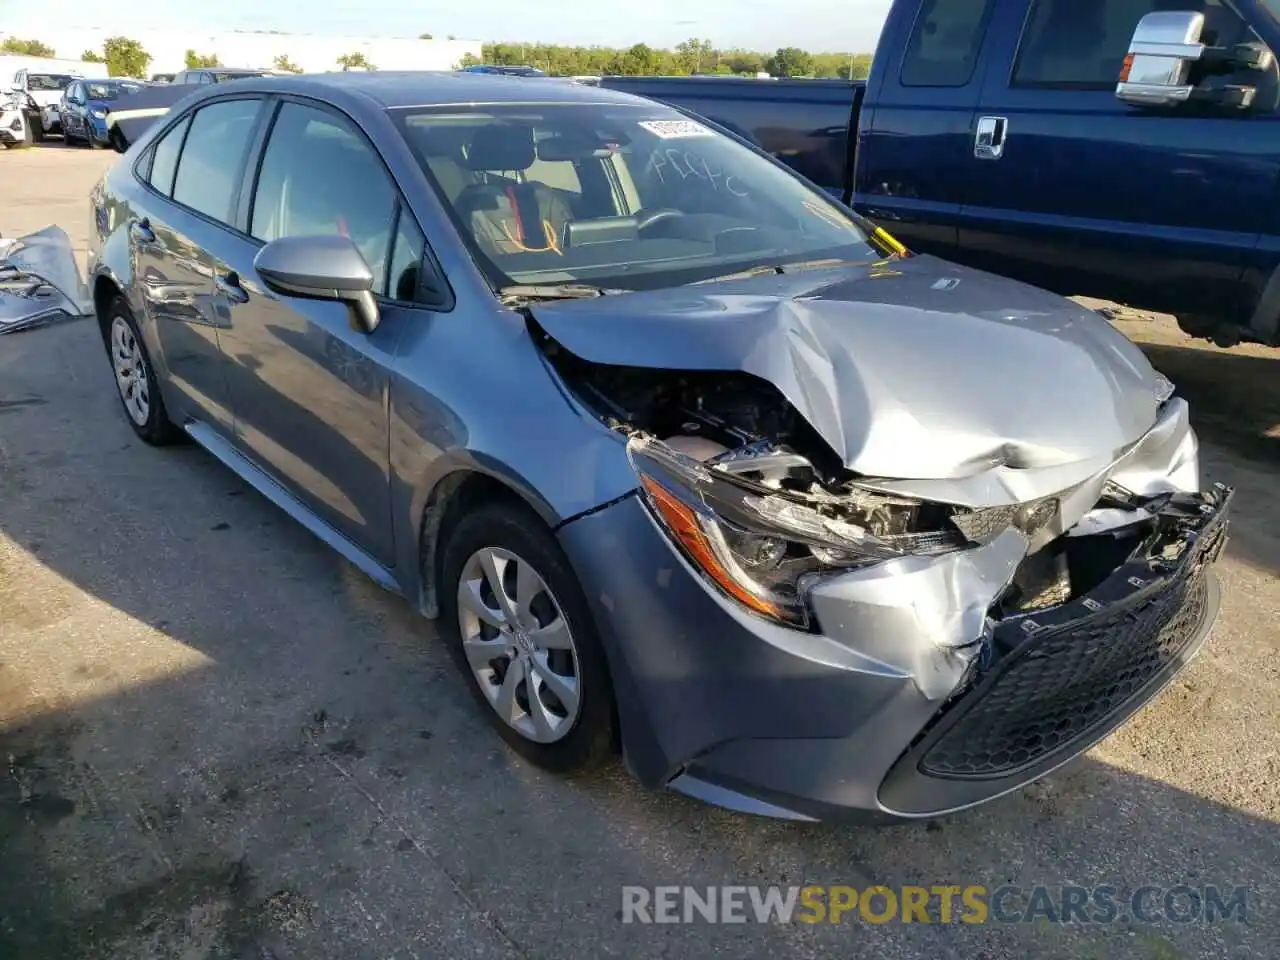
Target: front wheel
point(136, 378)
point(519, 629)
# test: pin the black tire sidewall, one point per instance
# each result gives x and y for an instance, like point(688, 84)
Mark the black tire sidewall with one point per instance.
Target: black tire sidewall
point(521, 531)
point(158, 430)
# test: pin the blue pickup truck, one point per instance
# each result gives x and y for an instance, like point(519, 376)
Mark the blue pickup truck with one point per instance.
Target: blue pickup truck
point(1122, 149)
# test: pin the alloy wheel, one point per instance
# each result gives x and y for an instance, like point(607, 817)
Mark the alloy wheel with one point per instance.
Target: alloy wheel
point(130, 365)
point(519, 645)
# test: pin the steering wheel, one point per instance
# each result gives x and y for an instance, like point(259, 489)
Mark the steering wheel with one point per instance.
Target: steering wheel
point(647, 220)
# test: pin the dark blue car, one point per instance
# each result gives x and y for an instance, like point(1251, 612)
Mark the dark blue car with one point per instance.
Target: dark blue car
point(85, 106)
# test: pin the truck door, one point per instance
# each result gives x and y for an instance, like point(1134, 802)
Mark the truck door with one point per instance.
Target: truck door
point(1156, 206)
point(915, 149)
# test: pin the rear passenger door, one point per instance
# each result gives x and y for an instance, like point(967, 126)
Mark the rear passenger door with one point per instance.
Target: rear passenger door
point(1161, 206)
point(915, 155)
point(310, 393)
point(193, 175)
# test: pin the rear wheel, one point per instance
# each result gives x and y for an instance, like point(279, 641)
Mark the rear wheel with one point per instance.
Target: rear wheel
point(136, 379)
point(520, 631)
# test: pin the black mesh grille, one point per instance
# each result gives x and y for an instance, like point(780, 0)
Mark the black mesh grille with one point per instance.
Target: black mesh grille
point(1069, 683)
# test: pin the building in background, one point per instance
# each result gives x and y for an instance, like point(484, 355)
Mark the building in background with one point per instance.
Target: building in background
point(312, 52)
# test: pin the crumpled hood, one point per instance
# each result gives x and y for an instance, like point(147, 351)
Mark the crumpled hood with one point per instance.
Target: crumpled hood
point(914, 369)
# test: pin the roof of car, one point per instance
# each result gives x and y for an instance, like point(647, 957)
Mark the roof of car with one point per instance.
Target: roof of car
point(408, 88)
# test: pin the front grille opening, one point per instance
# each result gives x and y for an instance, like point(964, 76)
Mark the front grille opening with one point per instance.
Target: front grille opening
point(1065, 570)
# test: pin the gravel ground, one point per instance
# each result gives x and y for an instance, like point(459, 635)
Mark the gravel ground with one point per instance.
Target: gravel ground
point(218, 740)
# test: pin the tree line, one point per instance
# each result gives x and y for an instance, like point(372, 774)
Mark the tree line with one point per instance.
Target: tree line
point(125, 57)
point(694, 56)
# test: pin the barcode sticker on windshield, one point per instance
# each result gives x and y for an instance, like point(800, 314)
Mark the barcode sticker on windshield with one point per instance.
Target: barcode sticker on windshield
point(675, 129)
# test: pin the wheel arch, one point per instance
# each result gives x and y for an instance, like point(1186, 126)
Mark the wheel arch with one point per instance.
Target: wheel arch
point(462, 488)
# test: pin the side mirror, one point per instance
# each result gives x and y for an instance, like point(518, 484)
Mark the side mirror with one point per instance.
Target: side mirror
point(1165, 44)
point(321, 268)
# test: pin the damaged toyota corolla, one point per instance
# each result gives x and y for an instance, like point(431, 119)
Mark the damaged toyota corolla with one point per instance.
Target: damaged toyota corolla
point(687, 458)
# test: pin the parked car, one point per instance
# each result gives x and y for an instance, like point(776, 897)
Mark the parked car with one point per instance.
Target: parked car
point(43, 93)
point(85, 105)
point(203, 75)
point(682, 453)
point(1018, 136)
point(18, 121)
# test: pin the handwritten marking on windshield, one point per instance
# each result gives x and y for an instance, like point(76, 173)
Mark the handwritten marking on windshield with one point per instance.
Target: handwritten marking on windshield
point(688, 165)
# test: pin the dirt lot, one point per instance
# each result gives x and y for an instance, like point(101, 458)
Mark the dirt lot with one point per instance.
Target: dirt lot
point(219, 740)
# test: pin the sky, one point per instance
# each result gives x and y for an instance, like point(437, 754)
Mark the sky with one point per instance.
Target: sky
point(816, 25)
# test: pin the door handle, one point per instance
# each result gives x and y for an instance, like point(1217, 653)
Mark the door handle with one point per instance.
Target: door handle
point(988, 143)
point(229, 286)
point(141, 231)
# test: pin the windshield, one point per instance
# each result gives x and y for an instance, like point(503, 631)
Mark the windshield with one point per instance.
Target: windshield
point(110, 90)
point(47, 81)
point(620, 196)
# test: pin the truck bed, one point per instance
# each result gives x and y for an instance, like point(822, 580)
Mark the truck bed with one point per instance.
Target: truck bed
point(804, 123)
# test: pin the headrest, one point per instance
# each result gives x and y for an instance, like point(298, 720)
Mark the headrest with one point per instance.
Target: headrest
point(507, 146)
point(574, 147)
point(439, 140)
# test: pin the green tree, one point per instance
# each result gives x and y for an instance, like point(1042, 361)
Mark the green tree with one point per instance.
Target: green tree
point(90, 57)
point(790, 62)
point(125, 57)
point(28, 48)
point(695, 56)
point(469, 60)
point(195, 61)
point(425, 36)
point(285, 65)
point(355, 61)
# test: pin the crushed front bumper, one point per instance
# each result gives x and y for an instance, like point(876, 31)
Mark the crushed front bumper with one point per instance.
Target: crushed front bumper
point(853, 722)
point(40, 281)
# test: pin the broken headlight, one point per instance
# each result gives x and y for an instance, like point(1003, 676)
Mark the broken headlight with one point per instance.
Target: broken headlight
point(759, 545)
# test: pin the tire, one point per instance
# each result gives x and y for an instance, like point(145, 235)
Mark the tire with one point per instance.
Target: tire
point(135, 377)
point(583, 736)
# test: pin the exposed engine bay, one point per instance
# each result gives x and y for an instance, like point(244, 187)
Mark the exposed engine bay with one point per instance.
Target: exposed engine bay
point(748, 487)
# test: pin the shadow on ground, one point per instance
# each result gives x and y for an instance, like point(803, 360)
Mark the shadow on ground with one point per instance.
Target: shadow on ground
point(218, 740)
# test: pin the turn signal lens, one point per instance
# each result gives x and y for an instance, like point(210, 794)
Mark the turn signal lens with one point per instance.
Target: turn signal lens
point(1128, 65)
point(690, 533)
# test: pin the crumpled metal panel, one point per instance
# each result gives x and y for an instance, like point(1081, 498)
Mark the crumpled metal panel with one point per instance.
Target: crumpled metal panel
point(39, 281)
point(912, 370)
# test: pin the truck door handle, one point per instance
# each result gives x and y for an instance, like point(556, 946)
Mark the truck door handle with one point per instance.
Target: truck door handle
point(229, 286)
point(141, 231)
point(988, 143)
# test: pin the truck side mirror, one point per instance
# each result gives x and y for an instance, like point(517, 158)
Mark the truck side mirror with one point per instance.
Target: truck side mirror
point(1165, 44)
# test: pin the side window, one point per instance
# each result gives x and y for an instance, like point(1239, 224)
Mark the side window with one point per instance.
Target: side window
point(406, 259)
point(164, 158)
point(319, 176)
point(209, 171)
point(1083, 43)
point(944, 44)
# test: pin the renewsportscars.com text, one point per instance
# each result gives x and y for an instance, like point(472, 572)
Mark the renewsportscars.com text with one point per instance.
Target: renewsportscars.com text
point(973, 904)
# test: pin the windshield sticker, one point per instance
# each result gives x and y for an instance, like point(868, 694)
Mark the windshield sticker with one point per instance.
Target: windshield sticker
point(675, 129)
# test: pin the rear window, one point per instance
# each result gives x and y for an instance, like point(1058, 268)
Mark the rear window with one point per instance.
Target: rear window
point(209, 170)
point(944, 44)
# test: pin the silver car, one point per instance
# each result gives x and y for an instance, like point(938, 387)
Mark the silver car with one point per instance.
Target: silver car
point(687, 460)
